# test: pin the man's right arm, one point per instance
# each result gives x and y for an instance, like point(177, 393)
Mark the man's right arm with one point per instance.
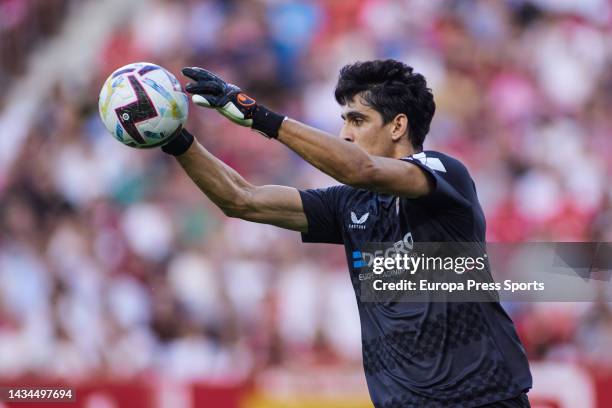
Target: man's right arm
point(236, 197)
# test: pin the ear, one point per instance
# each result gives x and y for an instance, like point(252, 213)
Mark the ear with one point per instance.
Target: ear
point(399, 127)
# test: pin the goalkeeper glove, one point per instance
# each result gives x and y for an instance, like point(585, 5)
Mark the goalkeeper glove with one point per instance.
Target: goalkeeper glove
point(210, 91)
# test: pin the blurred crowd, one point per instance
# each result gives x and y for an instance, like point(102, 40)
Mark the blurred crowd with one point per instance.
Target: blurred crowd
point(112, 263)
point(24, 24)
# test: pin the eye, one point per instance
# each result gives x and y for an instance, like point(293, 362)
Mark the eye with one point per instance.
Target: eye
point(357, 122)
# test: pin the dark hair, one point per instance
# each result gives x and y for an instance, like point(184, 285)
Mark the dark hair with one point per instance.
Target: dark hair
point(390, 87)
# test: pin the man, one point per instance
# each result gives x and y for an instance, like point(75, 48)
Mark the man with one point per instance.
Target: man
point(415, 354)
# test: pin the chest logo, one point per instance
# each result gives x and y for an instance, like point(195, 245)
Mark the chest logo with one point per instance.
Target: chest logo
point(357, 223)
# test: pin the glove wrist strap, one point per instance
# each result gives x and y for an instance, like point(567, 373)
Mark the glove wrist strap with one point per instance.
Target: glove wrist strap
point(267, 122)
point(179, 145)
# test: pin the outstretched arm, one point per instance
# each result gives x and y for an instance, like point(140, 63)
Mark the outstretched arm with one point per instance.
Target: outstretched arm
point(236, 197)
point(350, 164)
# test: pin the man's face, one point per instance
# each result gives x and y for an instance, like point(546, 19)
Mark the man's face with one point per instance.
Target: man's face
point(364, 126)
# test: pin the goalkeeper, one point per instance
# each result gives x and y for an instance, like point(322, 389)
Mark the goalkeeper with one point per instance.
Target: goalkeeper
point(414, 354)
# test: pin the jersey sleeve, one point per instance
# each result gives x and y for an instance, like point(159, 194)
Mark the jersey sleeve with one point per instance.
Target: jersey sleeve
point(321, 207)
point(451, 181)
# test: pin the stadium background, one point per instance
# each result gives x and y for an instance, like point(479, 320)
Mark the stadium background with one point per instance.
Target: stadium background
point(118, 277)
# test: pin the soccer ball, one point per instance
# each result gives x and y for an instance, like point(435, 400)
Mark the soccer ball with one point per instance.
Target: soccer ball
point(142, 105)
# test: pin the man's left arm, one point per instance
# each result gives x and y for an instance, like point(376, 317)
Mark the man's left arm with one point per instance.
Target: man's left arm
point(350, 164)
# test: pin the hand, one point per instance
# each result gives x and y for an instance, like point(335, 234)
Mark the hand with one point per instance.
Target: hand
point(210, 91)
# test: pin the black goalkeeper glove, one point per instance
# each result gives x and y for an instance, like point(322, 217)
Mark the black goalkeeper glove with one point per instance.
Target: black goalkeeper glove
point(210, 91)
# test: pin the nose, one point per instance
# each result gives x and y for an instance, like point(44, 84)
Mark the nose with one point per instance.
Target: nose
point(346, 135)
